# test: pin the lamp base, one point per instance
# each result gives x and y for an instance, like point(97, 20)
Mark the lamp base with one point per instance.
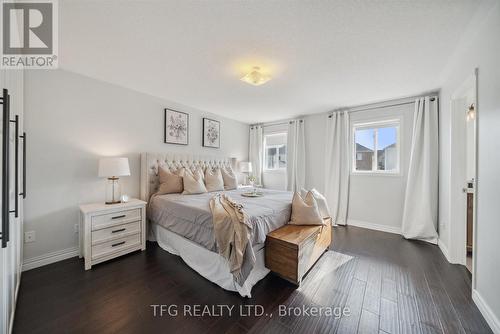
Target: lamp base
point(113, 191)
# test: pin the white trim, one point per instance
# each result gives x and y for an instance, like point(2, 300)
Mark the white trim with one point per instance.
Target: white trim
point(444, 250)
point(373, 226)
point(13, 313)
point(42, 260)
point(376, 125)
point(486, 311)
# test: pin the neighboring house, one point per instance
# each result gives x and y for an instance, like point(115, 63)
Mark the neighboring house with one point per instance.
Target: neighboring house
point(387, 158)
point(364, 157)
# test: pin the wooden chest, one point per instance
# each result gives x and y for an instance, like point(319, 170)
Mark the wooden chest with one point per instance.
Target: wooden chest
point(293, 249)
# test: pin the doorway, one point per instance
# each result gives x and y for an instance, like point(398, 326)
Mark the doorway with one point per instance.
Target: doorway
point(464, 172)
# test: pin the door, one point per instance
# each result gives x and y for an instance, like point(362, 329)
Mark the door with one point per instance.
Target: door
point(11, 254)
point(463, 178)
point(470, 175)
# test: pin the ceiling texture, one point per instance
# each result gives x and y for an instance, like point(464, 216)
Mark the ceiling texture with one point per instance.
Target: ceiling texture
point(321, 55)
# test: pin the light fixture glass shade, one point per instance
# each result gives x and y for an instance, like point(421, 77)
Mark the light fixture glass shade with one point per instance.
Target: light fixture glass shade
point(245, 167)
point(109, 167)
point(256, 77)
point(471, 113)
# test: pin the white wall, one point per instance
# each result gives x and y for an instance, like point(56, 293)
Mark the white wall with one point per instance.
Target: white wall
point(480, 48)
point(373, 199)
point(71, 121)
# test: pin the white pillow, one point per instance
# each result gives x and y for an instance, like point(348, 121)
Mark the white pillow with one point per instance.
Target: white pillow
point(213, 180)
point(230, 181)
point(323, 208)
point(305, 210)
point(193, 183)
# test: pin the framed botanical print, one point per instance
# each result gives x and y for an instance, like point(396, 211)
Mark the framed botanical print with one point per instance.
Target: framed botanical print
point(176, 130)
point(211, 133)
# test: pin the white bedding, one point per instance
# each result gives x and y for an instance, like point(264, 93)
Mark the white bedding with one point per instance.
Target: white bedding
point(182, 225)
point(190, 215)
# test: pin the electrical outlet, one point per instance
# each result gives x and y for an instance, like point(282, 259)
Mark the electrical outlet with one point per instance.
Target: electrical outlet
point(29, 236)
point(76, 228)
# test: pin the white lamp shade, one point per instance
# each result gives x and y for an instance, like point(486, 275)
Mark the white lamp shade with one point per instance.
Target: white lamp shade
point(109, 167)
point(245, 167)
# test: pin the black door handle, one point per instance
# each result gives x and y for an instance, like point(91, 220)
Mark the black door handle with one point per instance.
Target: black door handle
point(5, 167)
point(16, 167)
point(23, 137)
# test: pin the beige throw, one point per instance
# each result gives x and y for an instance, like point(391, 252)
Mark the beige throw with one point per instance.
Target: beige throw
point(232, 232)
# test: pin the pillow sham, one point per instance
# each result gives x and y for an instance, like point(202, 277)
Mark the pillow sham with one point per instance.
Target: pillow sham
point(213, 180)
point(192, 182)
point(323, 208)
point(230, 180)
point(170, 181)
point(305, 210)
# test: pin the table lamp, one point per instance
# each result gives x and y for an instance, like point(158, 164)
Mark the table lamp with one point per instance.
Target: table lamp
point(246, 167)
point(112, 168)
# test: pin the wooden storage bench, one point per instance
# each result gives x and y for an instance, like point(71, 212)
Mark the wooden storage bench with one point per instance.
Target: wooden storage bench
point(293, 249)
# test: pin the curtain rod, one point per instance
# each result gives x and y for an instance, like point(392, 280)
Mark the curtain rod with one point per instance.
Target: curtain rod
point(264, 125)
point(432, 98)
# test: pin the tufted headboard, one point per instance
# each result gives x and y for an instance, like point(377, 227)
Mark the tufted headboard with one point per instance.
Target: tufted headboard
point(150, 162)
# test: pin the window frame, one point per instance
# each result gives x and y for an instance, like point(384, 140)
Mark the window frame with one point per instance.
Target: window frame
point(279, 169)
point(389, 123)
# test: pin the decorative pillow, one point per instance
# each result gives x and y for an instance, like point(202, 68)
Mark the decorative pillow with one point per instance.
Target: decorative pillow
point(170, 182)
point(201, 171)
point(323, 208)
point(305, 210)
point(230, 180)
point(213, 180)
point(193, 183)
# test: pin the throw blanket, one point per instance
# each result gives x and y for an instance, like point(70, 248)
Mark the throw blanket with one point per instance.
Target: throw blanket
point(232, 232)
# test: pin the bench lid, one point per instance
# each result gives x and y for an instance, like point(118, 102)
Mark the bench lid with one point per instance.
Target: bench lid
point(295, 235)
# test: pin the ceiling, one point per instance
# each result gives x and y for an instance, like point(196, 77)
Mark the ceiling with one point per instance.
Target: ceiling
point(322, 55)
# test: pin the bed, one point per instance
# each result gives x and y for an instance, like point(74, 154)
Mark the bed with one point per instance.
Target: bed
point(182, 224)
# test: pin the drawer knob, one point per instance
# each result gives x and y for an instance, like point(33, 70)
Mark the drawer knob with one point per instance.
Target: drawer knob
point(118, 217)
point(118, 244)
point(119, 230)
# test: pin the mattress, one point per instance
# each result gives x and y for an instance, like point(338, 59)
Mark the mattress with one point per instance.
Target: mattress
point(190, 216)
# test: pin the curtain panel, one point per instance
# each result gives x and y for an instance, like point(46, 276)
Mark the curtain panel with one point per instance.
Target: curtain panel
point(337, 167)
point(255, 151)
point(296, 156)
point(420, 212)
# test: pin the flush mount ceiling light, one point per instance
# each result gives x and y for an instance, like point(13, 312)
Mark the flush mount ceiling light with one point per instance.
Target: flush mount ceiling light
point(256, 77)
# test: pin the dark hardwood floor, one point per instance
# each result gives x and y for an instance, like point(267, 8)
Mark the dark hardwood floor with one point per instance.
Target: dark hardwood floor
point(388, 285)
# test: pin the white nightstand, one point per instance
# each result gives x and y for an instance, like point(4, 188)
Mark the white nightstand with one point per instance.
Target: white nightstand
point(111, 230)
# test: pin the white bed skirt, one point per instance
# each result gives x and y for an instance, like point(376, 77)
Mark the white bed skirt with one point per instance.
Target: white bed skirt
point(208, 264)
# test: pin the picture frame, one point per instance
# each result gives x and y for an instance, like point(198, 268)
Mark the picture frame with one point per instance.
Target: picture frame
point(211, 133)
point(176, 127)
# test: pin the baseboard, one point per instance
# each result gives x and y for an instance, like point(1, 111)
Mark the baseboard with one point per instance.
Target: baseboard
point(444, 250)
point(42, 260)
point(486, 311)
point(372, 226)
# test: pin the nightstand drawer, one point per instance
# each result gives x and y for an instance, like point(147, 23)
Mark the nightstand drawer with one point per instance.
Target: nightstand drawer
point(117, 218)
point(115, 232)
point(115, 246)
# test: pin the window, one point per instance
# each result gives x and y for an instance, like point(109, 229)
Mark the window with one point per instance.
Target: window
point(376, 147)
point(275, 151)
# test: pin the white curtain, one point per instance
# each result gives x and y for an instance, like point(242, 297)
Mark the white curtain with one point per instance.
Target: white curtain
point(337, 167)
point(296, 156)
point(421, 198)
point(255, 151)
